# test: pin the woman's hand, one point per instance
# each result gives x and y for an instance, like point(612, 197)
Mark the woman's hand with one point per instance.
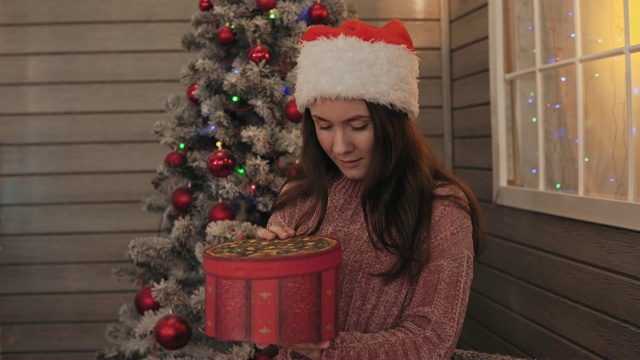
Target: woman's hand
point(280, 232)
point(311, 350)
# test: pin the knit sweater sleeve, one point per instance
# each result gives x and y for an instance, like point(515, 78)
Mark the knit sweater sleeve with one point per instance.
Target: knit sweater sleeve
point(432, 318)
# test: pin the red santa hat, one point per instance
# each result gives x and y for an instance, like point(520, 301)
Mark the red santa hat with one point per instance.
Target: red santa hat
point(359, 61)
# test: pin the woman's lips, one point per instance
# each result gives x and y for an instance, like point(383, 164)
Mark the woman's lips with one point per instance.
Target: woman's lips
point(350, 163)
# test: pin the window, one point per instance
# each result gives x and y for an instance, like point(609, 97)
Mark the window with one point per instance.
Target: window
point(565, 83)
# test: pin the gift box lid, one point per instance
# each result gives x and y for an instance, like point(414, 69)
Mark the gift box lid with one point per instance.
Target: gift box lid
point(262, 259)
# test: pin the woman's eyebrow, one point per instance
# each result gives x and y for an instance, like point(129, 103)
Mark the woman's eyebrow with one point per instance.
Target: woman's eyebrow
point(352, 118)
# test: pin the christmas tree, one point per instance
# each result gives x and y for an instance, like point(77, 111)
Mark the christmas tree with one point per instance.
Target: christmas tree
point(233, 139)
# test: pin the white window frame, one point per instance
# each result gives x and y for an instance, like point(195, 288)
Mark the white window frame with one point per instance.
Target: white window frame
point(615, 213)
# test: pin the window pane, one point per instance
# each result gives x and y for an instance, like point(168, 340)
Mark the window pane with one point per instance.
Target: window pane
point(522, 132)
point(605, 128)
point(602, 23)
point(519, 35)
point(560, 130)
point(635, 73)
point(634, 15)
point(558, 30)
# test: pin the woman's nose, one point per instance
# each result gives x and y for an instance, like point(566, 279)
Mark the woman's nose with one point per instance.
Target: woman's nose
point(342, 144)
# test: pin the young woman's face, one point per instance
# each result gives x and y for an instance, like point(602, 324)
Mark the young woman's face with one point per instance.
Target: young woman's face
point(345, 132)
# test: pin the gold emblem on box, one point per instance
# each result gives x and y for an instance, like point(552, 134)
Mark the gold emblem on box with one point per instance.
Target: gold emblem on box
point(264, 294)
point(265, 330)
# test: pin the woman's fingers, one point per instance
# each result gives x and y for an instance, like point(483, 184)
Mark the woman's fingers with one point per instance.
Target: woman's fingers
point(280, 232)
point(265, 234)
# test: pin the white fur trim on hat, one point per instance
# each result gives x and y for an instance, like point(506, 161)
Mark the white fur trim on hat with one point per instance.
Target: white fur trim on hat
point(346, 67)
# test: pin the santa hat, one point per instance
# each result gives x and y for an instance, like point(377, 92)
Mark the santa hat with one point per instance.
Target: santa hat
point(361, 62)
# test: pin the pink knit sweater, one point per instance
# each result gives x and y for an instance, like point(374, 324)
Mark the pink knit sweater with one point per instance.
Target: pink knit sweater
point(398, 320)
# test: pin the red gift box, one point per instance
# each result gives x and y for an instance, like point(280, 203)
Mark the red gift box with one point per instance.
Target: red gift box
point(272, 292)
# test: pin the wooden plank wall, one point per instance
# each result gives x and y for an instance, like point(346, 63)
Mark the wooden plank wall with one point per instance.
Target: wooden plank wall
point(81, 85)
point(546, 287)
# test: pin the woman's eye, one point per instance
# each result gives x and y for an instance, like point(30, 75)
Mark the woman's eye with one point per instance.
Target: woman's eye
point(360, 128)
point(324, 127)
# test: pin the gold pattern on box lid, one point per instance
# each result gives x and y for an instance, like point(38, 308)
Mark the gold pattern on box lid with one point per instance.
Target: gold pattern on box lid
point(255, 248)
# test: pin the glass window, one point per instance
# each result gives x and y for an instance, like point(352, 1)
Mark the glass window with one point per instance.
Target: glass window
point(523, 132)
point(602, 24)
point(606, 146)
point(558, 35)
point(520, 35)
point(560, 130)
point(568, 75)
point(635, 131)
point(634, 15)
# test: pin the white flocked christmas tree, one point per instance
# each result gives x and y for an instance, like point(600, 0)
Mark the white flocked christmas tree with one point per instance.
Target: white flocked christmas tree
point(232, 139)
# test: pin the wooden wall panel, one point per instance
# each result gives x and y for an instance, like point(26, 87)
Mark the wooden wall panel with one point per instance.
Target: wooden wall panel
point(470, 59)
point(458, 8)
point(600, 334)
point(62, 11)
point(602, 246)
point(58, 355)
point(414, 10)
point(74, 98)
point(430, 63)
point(67, 248)
point(588, 286)
point(472, 122)
point(86, 158)
point(91, 67)
point(477, 336)
point(472, 153)
point(73, 188)
point(78, 128)
point(469, 28)
point(66, 278)
point(480, 181)
point(530, 338)
point(76, 218)
point(430, 122)
point(470, 91)
point(430, 92)
point(63, 307)
point(53, 337)
point(45, 39)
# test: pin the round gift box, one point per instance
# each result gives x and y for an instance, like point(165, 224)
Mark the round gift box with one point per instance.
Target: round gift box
point(272, 292)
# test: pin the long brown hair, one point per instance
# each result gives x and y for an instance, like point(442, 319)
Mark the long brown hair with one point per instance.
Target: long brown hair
point(402, 176)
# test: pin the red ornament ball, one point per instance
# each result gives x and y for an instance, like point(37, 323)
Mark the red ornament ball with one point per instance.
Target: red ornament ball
point(259, 53)
point(292, 113)
point(266, 5)
point(144, 301)
point(173, 332)
point(205, 5)
point(221, 163)
point(182, 199)
point(220, 212)
point(191, 94)
point(175, 159)
point(226, 36)
point(318, 13)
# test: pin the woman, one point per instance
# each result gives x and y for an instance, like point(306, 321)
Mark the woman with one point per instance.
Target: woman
point(408, 228)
